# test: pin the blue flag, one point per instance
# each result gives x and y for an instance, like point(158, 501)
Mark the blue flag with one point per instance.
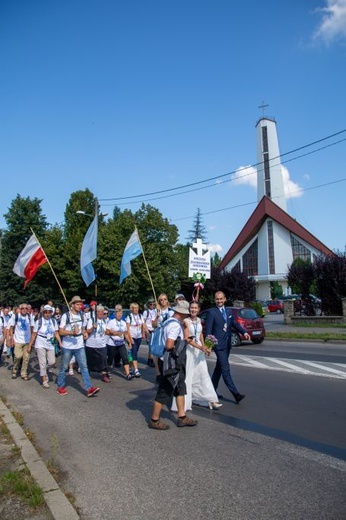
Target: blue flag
point(132, 250)
point(89, 253)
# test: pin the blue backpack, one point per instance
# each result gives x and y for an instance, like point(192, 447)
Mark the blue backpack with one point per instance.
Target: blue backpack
point(157, 342)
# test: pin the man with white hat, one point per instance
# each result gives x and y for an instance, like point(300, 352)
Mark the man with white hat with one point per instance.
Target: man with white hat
point(73, 333)
point(173, 381)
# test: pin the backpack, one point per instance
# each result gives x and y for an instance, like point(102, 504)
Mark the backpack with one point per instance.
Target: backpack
point(40, 320)
point(157, 344)
point(68, 317)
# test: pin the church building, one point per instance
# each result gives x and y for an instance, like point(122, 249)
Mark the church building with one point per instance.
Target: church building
point(271, 239)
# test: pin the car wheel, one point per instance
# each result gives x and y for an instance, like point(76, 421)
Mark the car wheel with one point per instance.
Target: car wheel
point(257, 341)
point(235, 340)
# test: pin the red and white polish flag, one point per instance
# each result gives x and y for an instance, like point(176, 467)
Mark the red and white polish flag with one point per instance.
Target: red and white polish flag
point(29, 260)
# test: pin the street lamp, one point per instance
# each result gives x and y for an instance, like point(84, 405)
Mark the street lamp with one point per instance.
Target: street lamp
point(80, 212)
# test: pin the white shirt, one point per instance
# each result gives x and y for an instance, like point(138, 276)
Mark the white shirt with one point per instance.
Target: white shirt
point(97, 338)
point(117, 326)
point(47, 329)
point(150, 315)
point(2, 327)
point(73, 342)
point(21, 329)
point(165, 314)
point(136, 322)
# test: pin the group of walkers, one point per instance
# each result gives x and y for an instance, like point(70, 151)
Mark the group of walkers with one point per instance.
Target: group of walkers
point(97, 342)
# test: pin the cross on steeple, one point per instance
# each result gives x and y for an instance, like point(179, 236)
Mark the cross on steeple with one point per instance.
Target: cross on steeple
point(263, 106)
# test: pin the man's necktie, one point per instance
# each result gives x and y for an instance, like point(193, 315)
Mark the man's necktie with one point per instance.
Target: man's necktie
point(223, 312)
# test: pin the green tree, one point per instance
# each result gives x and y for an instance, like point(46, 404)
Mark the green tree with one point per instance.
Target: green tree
point(216, 260)
point(300, 277)
point(330, 279)
point(198, 229)
point(236, 286)
point(23, 215)
point(275, 290)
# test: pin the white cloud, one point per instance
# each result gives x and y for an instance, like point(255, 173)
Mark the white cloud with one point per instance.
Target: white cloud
point(215, 248)
point(292, 189)
point(333, 24)
point(248, 175)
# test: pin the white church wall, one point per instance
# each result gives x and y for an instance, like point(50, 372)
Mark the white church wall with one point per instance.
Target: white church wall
point(282, 249)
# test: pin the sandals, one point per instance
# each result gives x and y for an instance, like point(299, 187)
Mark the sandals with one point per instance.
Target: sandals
point(158, 425)
point(45, 384)
point(25, 378)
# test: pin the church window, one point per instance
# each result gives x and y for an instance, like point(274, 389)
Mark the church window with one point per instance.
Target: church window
point(250, 260)
point(299, 250)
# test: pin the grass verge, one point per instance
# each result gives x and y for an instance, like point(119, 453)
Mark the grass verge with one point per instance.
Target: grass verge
point(322, 336)
point(22, 485)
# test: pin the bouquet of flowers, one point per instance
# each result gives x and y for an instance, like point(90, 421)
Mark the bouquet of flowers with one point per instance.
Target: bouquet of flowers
point(210, 341)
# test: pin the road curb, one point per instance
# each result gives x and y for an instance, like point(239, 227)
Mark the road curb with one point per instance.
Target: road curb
point(306, 340)
point(60, 508)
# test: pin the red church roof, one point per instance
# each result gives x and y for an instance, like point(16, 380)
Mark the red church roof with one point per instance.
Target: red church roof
point(266, 208)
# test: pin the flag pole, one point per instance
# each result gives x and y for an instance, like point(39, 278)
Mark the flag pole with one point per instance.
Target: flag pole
point(50, 265)
point(146, 265)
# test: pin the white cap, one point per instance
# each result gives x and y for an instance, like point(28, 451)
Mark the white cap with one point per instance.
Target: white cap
point(48, 308)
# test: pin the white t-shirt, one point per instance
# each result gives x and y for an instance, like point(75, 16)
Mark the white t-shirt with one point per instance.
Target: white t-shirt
point(150, 315)
point(164, 315)
point(136, 322)
point(97, 338)
point(73, 342)
point(2, 327)
point(172, 331)
point(21, 329)
point(46, 333)
point(117, 326)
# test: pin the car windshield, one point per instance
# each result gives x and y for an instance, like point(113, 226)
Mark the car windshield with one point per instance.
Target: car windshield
point(248, 314)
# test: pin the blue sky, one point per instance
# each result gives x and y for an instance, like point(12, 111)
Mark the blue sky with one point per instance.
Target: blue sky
point(137, 96)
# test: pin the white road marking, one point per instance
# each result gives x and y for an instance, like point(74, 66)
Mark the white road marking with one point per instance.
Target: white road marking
point(321, 369)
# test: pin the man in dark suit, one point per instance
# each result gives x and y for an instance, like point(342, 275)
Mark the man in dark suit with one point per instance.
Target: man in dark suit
point(219, 323)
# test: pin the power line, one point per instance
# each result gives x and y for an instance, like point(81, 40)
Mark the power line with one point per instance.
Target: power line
point(256, 202)
point(224, 174)
point(221, 182)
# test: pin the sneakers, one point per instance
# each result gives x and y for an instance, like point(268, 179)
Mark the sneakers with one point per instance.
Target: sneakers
point(129, 377)
point(158, 425)
point(92, 391)
point(62, 391)
point(105, 379)
point(71, 373)
point(137, 373)
point(45, 384)
point(14, 376)
point(186, 421)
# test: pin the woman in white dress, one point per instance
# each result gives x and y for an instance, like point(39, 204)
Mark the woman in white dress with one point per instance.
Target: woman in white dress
point(199, 388)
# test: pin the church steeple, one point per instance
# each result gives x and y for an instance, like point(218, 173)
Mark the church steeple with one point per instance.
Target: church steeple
point(269, 171)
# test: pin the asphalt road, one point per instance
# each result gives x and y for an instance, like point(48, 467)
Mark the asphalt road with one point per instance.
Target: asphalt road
point(280, 454)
